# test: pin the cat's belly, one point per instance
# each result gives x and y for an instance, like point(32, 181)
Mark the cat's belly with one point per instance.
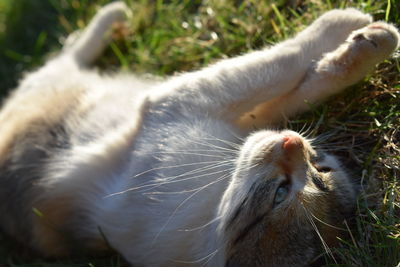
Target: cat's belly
point(49, 132)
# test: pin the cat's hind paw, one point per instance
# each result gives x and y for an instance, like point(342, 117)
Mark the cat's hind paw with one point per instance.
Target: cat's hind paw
point(85, 46)
point(115, 12)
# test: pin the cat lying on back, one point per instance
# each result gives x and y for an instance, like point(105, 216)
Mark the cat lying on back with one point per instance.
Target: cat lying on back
point(169, 173)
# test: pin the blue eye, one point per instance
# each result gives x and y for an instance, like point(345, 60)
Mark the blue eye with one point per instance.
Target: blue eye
point(281, 193)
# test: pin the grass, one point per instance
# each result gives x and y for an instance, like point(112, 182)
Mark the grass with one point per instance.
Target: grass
point(174, 36)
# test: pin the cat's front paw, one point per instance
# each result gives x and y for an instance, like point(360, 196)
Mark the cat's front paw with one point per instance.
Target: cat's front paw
point(377, 41)
point(335, 26)
point(363, 49)
point(347, 20)
point(331, 29)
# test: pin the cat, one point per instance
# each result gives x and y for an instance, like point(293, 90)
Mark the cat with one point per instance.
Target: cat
point(171, 172)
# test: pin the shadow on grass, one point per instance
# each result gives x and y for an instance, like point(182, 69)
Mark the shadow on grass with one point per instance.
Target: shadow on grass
point(22, 47)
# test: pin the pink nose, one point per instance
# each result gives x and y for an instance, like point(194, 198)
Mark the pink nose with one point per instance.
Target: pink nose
point(291, 143)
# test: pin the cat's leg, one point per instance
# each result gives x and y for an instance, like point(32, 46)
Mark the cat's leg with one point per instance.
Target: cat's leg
point(80, 49)
point(349, 63)
point(87, 45)
point(234, 86)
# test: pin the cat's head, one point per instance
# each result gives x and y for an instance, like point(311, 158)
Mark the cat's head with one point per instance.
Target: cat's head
point(284, 203)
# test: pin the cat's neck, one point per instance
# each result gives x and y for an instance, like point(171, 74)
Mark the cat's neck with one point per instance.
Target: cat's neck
point(171, 219)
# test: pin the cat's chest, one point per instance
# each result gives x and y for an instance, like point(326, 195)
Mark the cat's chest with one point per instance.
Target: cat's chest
point(184, 153)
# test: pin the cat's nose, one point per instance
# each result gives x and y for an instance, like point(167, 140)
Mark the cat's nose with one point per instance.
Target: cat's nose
point(292, 143)
point(294, 157)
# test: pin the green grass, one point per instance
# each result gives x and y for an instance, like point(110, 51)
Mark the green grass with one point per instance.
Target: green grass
point(175, 36)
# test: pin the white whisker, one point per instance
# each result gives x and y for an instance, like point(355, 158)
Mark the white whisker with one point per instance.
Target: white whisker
point(216, 146)
point(173, 166)
point(202, 226)
point(324, 244)
point(325, 223)
point(207, 257)
point(170, 181)
point(186, 200)
point(232, 144)
point(182, 152)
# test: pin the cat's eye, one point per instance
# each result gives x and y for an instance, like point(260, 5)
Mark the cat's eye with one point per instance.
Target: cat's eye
point(281, 193)
point(323, 169)
point(319, 168)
